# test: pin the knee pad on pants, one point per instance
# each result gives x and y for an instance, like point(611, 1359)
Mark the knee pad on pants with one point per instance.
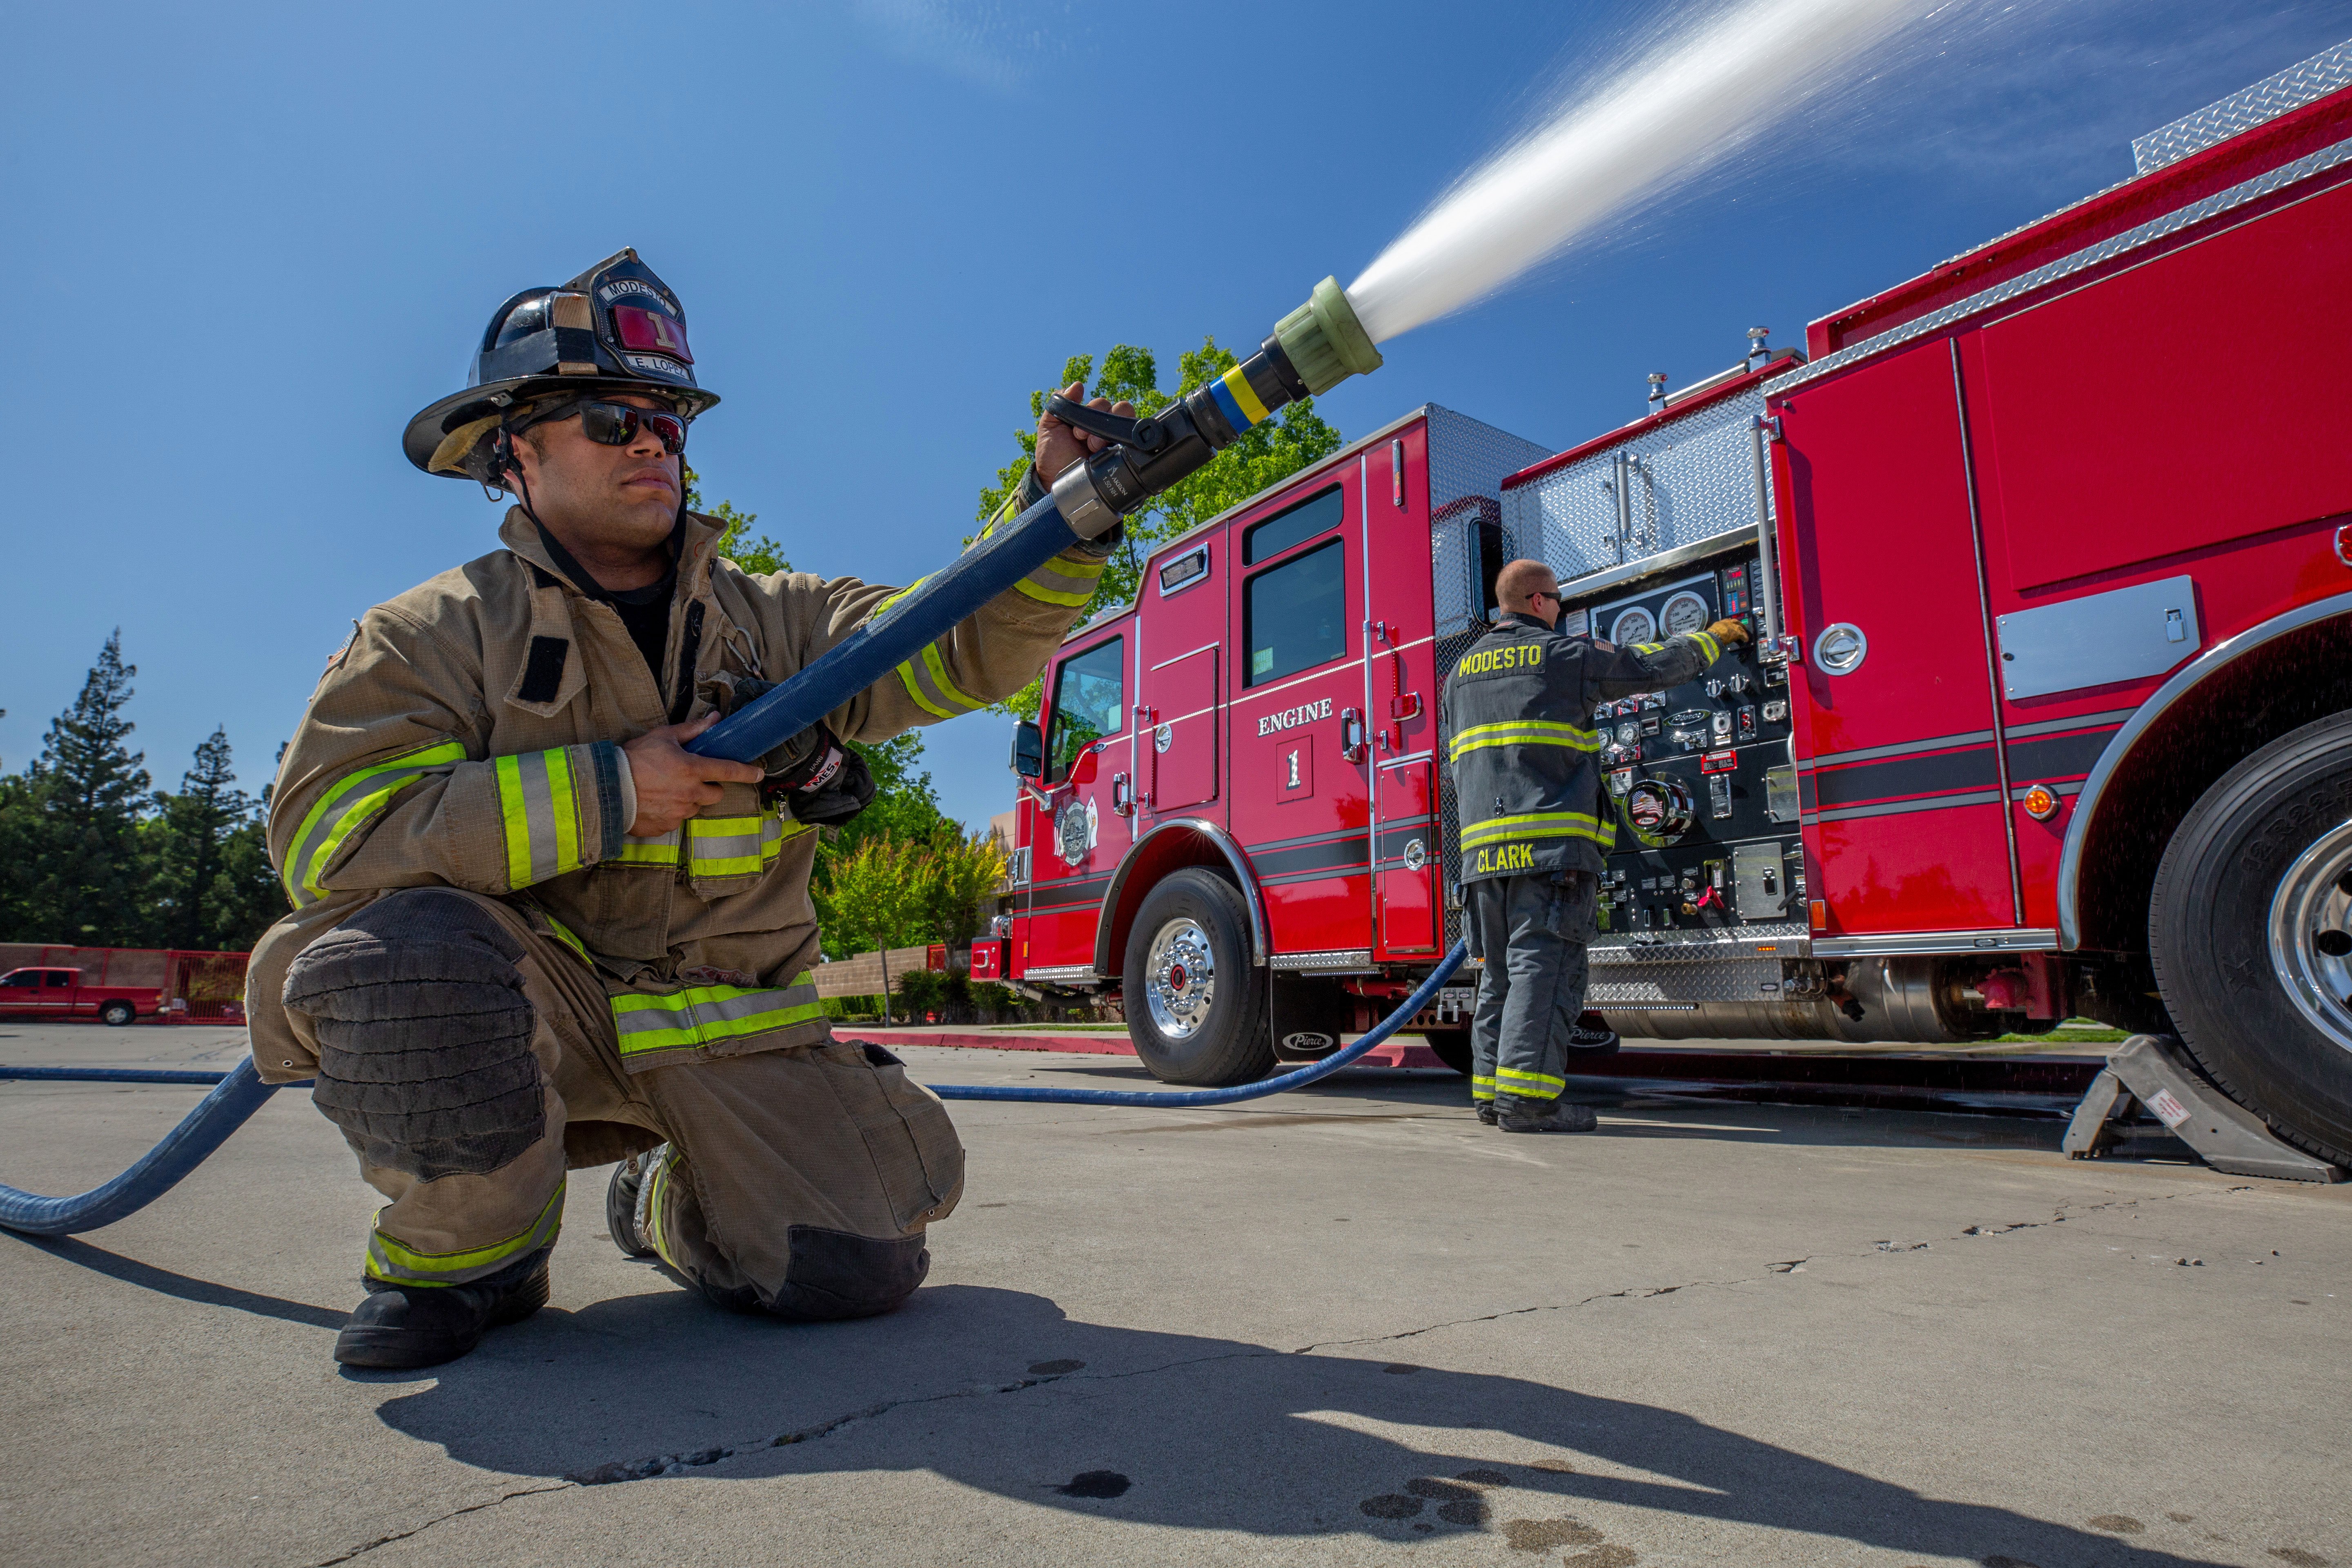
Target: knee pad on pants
point(834, 1274)
point(424, 1034)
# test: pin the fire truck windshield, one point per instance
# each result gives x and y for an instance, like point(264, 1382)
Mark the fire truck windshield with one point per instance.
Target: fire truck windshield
point(1089, 703)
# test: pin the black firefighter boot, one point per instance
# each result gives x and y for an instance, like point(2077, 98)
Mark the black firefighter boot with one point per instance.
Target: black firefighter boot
point(624, 1202)
point(423, 1325)
point(1518, 1115)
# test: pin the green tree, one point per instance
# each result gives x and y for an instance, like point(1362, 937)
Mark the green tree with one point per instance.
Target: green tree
point(758, 556)
point(961, 870)
point(1263, 456)
point(209, 876)
point(81, 821)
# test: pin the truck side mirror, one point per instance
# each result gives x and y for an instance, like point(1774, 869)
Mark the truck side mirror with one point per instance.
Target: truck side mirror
point(1028, 749)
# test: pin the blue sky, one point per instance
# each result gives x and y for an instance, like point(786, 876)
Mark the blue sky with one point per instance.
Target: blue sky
point(246, 243)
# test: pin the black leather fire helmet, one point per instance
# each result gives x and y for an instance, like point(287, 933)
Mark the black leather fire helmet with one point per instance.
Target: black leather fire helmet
point(615, 327)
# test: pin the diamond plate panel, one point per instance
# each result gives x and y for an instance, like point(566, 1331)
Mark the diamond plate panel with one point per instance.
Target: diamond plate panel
point(1468, 461)
point(1685, 481)
point(1792, 938)
point(1638, 984)
point(2244, 110)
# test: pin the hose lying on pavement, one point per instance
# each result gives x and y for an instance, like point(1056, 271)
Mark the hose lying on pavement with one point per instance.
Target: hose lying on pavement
point(239, 1093)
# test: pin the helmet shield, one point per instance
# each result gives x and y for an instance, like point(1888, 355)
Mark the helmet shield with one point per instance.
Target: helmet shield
point(618, 327)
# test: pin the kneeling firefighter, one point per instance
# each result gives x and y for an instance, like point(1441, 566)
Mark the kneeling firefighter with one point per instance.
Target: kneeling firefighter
point(532, 934)
point(1518, 710)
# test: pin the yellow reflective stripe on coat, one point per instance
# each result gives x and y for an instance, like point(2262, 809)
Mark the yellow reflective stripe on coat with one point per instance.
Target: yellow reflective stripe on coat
point(707, 1015)
point(733, 846)
point(1523, 733)
point(541, 814)
point(1513, 1081)
point(661, 851)
point(349, 805)
point(563, 933)
point(390, 1260)
point(925, 677)
point(1063, 580)
point(1707, 645)
point(1538, 824)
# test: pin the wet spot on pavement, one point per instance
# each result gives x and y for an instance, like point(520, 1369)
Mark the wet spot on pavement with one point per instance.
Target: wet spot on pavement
point(1470, 1511)
point(1053, 1368)
point(2299, 1558)
point(1543, 1534)
point(2116, 1523)
point(1602, 1557)
point(1096, 1483)
point(1391, 1505)
point(1485, 1477)
point(2181, 1518)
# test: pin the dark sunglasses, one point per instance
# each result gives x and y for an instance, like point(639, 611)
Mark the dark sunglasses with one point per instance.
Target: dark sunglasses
point(617, 424)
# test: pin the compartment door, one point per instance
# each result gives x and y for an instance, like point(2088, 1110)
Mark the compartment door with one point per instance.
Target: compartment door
point(1898, 779)
point(1178, 750)
point(1408, 868)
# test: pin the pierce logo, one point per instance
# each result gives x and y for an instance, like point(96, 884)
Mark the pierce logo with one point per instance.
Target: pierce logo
point(1291, 718)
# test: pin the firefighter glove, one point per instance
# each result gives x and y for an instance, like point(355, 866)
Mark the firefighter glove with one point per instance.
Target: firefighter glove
point(1729, 633)
point(817, 779)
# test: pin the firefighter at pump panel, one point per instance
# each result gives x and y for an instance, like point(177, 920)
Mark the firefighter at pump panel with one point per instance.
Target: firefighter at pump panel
point(532, 934)
point(1526, 777)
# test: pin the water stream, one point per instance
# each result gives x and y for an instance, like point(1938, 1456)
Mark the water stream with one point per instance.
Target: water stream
point(1707, 88)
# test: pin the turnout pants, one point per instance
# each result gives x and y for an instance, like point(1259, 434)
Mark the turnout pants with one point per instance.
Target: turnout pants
point(1531, 932)
point(470, 1058)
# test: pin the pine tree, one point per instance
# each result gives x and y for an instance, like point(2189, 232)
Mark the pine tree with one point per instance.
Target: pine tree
point(210, 880)
point(86, 794)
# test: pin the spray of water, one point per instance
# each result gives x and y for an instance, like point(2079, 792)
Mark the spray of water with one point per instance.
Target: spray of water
point(1691, 100)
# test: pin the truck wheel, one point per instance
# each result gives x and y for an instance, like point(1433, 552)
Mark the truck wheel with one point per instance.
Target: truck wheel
point(1196, 1006)
point(2250, 931)
point(1453, 1048)
point(117, 1013)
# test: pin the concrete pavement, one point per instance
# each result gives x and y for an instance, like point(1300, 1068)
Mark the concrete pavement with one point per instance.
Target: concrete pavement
point(1342, 1326)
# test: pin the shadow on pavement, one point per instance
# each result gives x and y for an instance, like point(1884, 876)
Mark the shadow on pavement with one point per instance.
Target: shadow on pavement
point(146, 1276)
point(1155, 1429)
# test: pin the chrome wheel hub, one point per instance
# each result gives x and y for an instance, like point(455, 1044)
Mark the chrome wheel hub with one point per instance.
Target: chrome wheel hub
point(1180, 978)
point(2311, 935)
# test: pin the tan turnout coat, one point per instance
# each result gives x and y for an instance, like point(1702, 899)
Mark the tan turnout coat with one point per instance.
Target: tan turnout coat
point(468, 734)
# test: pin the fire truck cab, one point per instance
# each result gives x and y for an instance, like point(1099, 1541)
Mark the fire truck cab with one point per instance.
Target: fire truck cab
point(2048, 556)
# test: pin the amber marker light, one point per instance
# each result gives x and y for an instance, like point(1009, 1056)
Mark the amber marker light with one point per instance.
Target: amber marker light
point(2041, 803)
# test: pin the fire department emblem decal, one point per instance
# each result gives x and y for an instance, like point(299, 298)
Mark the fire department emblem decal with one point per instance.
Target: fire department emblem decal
point(1416, 854)
point(1162, 737)
point(1070, 831)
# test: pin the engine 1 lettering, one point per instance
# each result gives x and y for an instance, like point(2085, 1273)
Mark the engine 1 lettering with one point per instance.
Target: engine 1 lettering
point(1291, 718)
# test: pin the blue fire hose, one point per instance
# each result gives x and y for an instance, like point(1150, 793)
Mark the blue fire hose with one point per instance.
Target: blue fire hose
point(239, 1093)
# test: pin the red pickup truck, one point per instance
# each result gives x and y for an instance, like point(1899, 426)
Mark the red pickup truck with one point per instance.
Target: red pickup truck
point(59, 994)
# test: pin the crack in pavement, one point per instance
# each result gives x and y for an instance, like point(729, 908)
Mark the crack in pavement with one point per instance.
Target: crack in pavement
point(680, 1463)
point(441, 1519)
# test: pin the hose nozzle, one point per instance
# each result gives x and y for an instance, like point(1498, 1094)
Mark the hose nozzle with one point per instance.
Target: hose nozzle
point(1324, 341)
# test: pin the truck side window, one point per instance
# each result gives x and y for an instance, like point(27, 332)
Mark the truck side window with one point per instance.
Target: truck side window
point(1302, 522)
point(1089, 702)
point(28, 979)
point(1295, 615)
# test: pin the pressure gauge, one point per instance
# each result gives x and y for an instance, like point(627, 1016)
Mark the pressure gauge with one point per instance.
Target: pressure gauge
point(1633, 625)
point(1685, 612)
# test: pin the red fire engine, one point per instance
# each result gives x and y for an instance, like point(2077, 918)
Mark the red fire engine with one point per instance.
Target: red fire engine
point(2049, 554)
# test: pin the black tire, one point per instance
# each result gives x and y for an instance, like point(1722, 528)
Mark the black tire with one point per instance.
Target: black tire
point(2209, 941)
point(117, 1013)
point(1229, 1043)
point(1453, 1048)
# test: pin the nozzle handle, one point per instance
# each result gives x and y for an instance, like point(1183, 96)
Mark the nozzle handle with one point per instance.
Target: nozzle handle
point(1147, 436)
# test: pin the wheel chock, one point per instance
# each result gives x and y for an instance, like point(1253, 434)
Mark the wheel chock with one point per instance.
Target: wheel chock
point(2157, 1071)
